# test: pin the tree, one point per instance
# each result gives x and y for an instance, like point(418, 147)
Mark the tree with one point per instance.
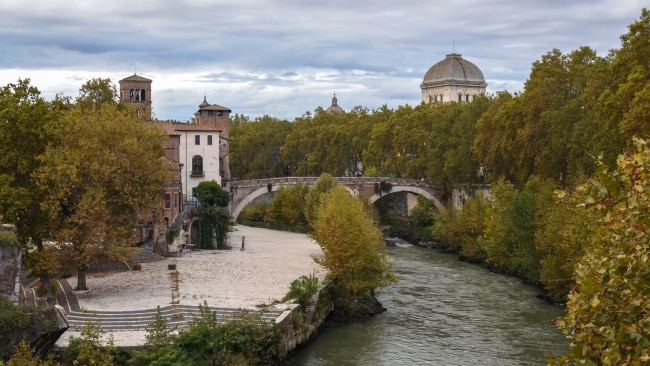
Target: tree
point(104, 175)
point(623, 106)
point(97, 92)
point(323, 185)
point(351, 244)
point(287, 205)
point(608, 309)
point(255, 148)
point(213, 214)
point(24, 135)
point(210, 193)
point(562, 238)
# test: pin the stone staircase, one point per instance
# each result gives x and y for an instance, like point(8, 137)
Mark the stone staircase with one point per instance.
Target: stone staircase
point(176, 316)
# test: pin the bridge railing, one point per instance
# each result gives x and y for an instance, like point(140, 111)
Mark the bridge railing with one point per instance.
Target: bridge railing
point(342, 180)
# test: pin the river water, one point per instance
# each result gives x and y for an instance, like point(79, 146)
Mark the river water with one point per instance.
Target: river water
point(444, 312)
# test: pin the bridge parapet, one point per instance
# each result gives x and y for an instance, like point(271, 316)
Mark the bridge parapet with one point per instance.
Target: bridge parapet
point(342, 180)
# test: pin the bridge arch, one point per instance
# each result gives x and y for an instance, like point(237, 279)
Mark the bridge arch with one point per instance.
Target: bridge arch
point(262, 191)
point(415, 190)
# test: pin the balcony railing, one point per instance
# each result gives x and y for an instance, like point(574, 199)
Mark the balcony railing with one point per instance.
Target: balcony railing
point(197, 173)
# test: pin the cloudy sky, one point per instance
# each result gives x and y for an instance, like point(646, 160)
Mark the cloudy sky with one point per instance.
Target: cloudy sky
point(286, 57)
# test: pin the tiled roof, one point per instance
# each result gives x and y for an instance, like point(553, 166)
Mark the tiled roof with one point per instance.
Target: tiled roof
point(173, 128)
point(205, 106)
point(135, 77)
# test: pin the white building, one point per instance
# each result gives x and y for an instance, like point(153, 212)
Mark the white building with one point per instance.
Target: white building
point(453, 79)
point(204, 146)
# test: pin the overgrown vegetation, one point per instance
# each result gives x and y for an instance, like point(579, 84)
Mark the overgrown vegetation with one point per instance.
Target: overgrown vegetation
point(242, 340)
point(213, 215)
point(352, 245)
point(302, 289)
point(13, 320)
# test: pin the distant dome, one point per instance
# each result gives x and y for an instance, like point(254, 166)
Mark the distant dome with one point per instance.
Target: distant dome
point(454, 69)
point(205, 103)
point(334, 108)
point(452, 79)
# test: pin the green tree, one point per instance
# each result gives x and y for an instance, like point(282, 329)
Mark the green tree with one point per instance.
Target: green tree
point(104, 175)
point(352, 245)
point(461, 230)
point(255, 148)
point(623, 106)
point(323, 185)
point(562, 238)
point(288, 205)
point(24, 356)
point(24, 135)
point(511, 224)
point(607, 311)
point(97, 92)
point(210, 193)
point(213, 214)
point(87, 348)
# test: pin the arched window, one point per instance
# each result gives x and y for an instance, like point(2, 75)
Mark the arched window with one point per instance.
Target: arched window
point(142, 98)
point(197, 166)
point(132, 95)
point(467, 97)
point(460, 97)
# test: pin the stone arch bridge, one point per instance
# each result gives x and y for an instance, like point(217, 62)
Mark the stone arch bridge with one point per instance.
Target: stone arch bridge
point(244, 192)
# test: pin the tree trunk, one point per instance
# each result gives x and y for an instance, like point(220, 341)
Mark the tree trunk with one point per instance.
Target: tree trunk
point(81, 279)
point(46, 286)
point(44, 278)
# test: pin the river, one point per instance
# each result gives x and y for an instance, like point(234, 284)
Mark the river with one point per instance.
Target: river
point(444, 312)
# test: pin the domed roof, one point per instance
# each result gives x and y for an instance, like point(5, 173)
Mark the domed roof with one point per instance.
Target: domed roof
point(454, 70)
point(334, 108)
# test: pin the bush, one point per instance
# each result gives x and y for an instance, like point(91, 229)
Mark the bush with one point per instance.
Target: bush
point(13, 320)
point(245, 340)
point(254, 212)
point(8, 239)
point(303, 289)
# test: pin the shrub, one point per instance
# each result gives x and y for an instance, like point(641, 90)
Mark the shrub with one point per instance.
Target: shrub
point(303, 289)
point(13, 319)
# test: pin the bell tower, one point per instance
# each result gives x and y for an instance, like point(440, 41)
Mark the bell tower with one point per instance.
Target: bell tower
point(136, 90)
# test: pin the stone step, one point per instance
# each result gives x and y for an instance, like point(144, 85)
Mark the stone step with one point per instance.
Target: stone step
point(176, 316)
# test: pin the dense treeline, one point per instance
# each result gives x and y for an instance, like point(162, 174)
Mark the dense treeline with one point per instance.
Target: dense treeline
point(574, 107)
point(567, 160)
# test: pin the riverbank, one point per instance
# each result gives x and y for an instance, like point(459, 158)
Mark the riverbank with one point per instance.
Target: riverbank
point(241, 279)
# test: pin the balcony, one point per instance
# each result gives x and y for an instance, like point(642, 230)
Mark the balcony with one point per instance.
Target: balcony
point(197, 173)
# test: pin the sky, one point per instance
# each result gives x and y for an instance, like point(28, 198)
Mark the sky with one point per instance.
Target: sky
point(284, 58)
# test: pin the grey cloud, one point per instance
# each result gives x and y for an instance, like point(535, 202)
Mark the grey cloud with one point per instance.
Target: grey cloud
point(287, 57)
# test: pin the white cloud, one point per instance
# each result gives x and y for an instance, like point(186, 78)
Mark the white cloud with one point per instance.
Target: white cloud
point(286, 57)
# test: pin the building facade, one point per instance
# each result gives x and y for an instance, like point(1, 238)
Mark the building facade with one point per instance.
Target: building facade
point(453, 79)
point(195, 151)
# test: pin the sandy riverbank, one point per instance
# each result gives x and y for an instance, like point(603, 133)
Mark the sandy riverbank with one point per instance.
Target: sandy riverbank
point(261, 274)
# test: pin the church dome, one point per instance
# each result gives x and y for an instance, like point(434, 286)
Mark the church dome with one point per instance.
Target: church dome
point(454, 70)
point(334, 108)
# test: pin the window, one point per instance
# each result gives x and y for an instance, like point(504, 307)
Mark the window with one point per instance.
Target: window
point(167, 200)
point(209, 139)
point(197, 166)
point(460, 97)
point(467, 97)
point(197, 139)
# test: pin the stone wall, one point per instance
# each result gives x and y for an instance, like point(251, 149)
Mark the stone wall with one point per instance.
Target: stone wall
point(300, 326)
